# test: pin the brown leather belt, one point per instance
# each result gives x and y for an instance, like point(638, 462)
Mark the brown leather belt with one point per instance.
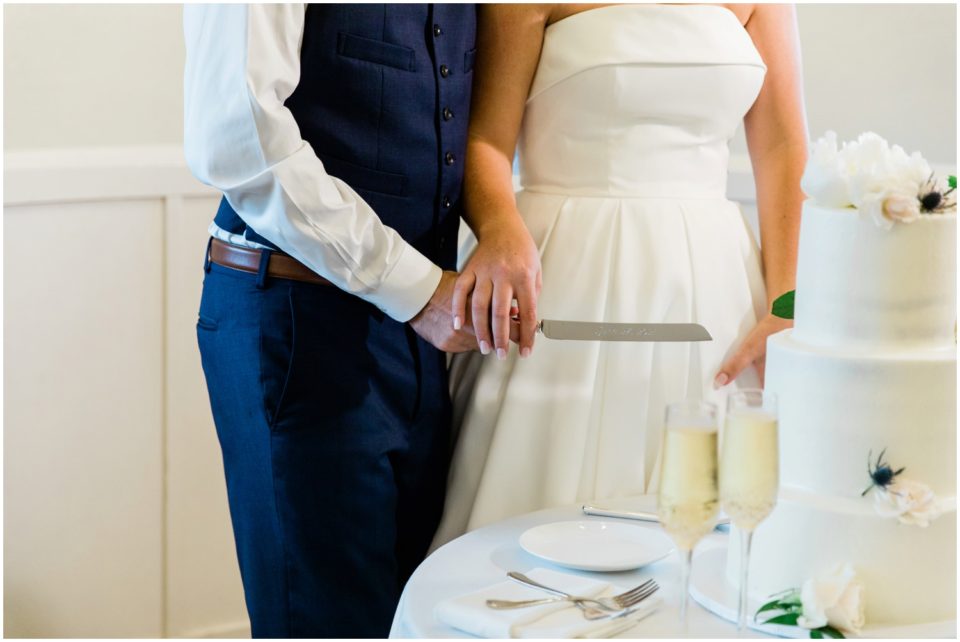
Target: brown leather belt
point(245, 259)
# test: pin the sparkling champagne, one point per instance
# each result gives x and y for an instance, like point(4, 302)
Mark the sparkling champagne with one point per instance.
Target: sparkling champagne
point(749, 471)
point(687, 502)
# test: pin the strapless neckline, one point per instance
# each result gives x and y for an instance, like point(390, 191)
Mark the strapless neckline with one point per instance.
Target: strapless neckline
point(631, 34)
point(682, 7)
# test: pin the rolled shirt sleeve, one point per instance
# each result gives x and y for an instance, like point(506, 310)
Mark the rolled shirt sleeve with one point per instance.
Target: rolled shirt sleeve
point(243, 62)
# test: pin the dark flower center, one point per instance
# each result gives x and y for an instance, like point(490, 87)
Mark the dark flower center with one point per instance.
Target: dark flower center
point(883, 476)
point(931, 200)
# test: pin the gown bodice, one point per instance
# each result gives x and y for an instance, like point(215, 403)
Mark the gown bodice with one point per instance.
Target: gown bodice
point(638, 100)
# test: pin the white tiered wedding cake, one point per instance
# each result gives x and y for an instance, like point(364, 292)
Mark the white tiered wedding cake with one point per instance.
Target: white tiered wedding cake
point(869, 369)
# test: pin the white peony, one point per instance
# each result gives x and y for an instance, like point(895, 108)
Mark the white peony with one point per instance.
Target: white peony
point(868, 174)
point(911, 502)
point(825, 178)
point(879, 166)
point(835, 599)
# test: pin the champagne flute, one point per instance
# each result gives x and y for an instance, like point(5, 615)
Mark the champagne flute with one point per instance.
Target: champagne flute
point(687, 500)
point(749, 472)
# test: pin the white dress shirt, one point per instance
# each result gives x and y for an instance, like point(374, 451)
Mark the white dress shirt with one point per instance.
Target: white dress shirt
point(243, 62)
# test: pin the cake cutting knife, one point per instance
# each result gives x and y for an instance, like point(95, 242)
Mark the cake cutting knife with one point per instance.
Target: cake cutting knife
point(723, 521)
point(591, 331)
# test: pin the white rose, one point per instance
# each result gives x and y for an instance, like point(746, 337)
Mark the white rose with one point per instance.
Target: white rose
point(890, 200)
point(835, 599)
point(901, 207)
point(825, 178)
point(911, 502)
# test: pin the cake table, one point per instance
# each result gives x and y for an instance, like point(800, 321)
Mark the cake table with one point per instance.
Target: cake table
point(484, 556)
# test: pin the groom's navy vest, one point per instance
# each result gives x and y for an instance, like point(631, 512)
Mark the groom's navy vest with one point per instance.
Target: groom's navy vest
point(383, 99)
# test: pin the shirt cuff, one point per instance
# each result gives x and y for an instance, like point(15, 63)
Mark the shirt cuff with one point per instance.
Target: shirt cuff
point(408, 287)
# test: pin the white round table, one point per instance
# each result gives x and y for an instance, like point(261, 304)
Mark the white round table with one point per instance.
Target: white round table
point(484, 556)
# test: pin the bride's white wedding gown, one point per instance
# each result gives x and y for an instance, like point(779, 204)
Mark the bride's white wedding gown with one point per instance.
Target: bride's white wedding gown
point(623, 163)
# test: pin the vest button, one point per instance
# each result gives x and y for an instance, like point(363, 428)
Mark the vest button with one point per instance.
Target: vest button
point(447, 113)
point(444, 71)
point(437, 30)
point(449, 158)
point(443, 242)
point(445, 202)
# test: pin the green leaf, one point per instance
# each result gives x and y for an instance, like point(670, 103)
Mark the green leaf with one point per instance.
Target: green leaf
point(815, 634)
point(952, 181)
point(832, 632)
point(789, 619)
point(769, 606)
point(791, 602)
point(783, 305)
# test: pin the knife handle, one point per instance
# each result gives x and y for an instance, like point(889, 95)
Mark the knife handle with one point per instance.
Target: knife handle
point(723, 521)
point(642, 516)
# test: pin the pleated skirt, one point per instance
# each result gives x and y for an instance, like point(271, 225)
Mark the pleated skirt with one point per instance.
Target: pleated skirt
point(583, 421)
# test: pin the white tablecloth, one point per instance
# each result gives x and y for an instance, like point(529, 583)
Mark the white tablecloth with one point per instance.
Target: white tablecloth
point(483, 557)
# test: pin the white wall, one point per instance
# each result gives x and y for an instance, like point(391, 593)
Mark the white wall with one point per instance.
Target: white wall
point(887, 68)
point(92, 75)
point(115, 511)
point(73, 78)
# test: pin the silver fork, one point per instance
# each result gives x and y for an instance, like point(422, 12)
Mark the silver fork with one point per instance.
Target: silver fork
point(612, 603)
point(628, 604)
point(593, 608)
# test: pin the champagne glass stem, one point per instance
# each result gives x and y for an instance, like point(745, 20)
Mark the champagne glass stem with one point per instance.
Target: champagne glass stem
point(746, 538)
point(686, 561)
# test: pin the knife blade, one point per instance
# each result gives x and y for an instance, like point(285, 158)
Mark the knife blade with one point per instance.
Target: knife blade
point(591, 331)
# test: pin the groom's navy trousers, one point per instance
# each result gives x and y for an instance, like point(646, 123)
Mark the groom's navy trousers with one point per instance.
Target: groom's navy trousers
point(334, 418)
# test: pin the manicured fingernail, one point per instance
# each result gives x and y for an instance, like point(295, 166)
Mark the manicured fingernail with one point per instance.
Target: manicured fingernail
point(501, 354)
point(457, 323)
point(720, 381)
point(484, 348)
point(524, 353)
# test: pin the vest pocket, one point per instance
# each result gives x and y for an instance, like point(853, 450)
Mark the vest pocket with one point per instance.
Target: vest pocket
point(468, 59)
point(376, 51)
point(357, 177)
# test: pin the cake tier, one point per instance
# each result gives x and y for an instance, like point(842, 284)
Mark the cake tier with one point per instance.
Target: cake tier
point(837, 407)
point(859, 285)
point(909, 573)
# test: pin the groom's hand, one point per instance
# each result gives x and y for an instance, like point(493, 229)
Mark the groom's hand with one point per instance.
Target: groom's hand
point(435, 321)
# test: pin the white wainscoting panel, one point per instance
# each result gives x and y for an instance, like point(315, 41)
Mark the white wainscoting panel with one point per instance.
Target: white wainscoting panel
point(204, 594)
point(116, 520)
point(83, 433)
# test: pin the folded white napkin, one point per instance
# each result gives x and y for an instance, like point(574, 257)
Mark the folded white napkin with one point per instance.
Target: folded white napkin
point(470, 613)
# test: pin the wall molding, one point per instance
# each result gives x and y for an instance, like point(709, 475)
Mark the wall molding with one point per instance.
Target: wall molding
point(156, 171)
point(98, 174)
point(240, 629)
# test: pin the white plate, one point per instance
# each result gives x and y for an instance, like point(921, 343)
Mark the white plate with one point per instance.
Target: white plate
point(597, 545)
point(710, 588)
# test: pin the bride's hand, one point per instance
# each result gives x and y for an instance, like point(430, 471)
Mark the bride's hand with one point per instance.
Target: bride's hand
point(505, 266)
point(753, 350)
